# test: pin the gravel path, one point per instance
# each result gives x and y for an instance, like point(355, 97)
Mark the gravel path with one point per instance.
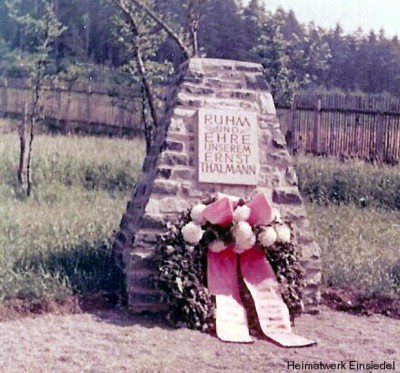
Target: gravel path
point(112, 341)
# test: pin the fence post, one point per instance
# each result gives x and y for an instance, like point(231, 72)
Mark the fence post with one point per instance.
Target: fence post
point(291, 130)
point(316, 144)
point(4, 97)
point(88, 94)
point(59, 103)
point(379, 135)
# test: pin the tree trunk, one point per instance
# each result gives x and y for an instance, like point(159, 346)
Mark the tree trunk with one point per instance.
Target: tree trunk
point(171, 33)
point(28, 165)
point(22, 145)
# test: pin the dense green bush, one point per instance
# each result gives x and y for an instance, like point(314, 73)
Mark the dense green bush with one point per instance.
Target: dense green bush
point(329, 180)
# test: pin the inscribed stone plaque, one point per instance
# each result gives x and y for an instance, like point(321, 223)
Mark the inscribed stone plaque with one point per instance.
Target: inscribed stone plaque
point(228, 147)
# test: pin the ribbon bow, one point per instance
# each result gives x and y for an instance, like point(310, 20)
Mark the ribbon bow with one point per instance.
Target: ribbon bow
point(272, 312)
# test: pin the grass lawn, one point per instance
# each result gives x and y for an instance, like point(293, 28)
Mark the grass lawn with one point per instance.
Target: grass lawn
point(359, 247)
point(58, 242)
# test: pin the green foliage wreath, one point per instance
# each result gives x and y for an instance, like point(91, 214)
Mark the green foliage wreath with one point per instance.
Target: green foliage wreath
point(182, 277)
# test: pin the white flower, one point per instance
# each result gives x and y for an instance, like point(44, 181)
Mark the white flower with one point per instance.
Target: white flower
point(276, 214)
point(242, 246)
point(267, 237)
point(197, 213)
point(217, 246)
point(244, 237)
point(283, 233)
point(242, 213)
point(192, 232)
point(242, 231)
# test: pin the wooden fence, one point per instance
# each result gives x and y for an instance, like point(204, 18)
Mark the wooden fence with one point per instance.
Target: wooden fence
point(355, 126)
point(71, 105)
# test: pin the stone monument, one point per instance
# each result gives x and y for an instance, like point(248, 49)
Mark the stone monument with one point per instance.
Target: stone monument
point(220, 133)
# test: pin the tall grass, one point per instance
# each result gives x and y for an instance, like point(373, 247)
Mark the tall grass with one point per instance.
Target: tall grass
point(359, 248)
point(354, 209)
point(59, 241)
point(88, 162)
point(355, 182)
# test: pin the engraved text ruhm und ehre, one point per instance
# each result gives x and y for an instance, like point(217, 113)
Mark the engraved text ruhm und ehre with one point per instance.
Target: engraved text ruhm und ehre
point(228, 147)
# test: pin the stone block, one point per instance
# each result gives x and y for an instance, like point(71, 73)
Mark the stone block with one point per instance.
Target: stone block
point(172, 159)
point(194, 65)
point(175, 146)
point(279, 158)
point(256, 82)
point(291, 177)
point(278, 139)
point(194, 77)
point(213, 64)
point(217, 83)
point(138, 263)
point(311, 296)
point(190, 191)
point(249, 67)
point(164, 173)
point(146, 238)
point(269, 123)
point(184, 112)
point(286, 196)
point(197, 90)
point(313, 278)
point(153, 206)
point(237, 94)
point(267, 104)
point(270, 179)
point(152, 222)
point(141, 280)
point(310, 250)
point(184, 174)
point(165, 187)
point(227, 103)
point(313, 265)
point(174, 205)
point(265, 139)
point(140, 299)
point(189, 100)
point(177, 125)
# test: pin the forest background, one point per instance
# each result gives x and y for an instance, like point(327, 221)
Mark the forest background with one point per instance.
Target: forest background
point(297, 57)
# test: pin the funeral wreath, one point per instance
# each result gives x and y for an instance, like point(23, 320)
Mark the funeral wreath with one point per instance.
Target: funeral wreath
point(181, 257)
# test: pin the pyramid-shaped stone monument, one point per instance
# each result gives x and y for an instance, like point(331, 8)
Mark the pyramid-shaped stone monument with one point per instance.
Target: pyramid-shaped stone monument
point(245, 153)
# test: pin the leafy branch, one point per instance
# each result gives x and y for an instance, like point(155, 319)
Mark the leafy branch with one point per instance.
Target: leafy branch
point(42, 31)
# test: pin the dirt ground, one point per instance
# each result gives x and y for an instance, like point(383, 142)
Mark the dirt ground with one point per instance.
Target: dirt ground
point(113, 341)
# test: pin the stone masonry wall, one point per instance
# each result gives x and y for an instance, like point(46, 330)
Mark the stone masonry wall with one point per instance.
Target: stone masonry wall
point(168, 184)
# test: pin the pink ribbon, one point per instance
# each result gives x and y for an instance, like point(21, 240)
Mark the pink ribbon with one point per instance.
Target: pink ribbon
point(272, 312)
